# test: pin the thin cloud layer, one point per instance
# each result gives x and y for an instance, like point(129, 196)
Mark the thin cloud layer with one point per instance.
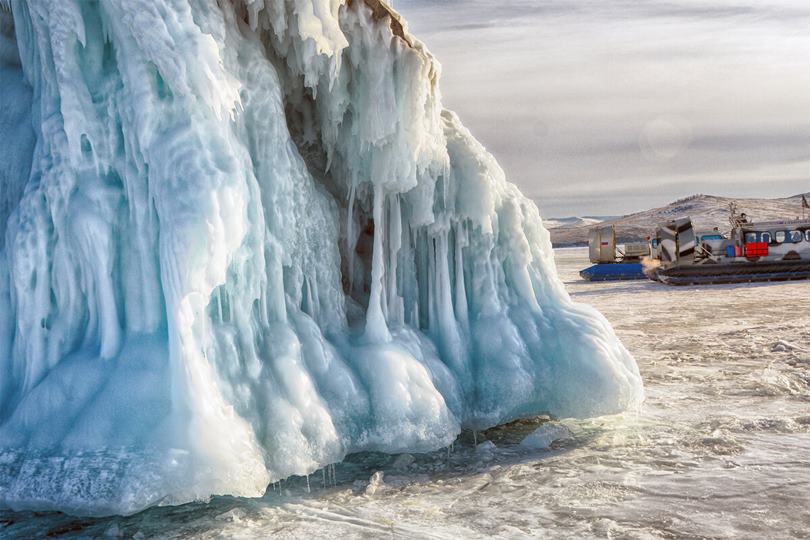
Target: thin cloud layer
point(606, 107)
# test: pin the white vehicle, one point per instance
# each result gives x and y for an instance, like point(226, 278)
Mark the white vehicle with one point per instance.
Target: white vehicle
point(766, 251)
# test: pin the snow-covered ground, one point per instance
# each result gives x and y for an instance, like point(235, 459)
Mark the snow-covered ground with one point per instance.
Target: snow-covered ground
point(721, 448)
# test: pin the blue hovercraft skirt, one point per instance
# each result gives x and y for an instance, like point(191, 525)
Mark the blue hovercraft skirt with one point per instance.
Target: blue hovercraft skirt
point(613, 272)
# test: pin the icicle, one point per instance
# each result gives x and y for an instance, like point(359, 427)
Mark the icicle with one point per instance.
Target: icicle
point(433, 297)
point(444, 298)
point(350, 239)
point(461, 294)
point(219, 303)
point(395, 305)
point(376, 326)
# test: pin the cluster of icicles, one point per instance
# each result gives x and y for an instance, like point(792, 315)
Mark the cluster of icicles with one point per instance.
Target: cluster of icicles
point(241, 239)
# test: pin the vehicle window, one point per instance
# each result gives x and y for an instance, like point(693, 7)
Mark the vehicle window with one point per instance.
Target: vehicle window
point(766, 237)
point(779, 236)
point(750, 237)
point(795, 236)
point(807, 235)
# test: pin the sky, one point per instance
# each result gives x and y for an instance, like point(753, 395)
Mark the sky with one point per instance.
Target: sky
point(605, 107)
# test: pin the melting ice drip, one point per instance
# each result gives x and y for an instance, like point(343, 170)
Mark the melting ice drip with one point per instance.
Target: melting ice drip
point(241, 239)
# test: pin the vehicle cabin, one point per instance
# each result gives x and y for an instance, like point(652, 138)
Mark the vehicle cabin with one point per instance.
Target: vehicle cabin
point(778, 240)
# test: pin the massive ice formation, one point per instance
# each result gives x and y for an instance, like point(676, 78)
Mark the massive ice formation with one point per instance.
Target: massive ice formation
point(240, 239)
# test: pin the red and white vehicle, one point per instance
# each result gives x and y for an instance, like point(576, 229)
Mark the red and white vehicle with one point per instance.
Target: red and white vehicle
point(765, 251)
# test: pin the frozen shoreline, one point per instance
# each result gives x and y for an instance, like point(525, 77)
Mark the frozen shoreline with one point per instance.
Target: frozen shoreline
point(720, 450)
point(251, 242)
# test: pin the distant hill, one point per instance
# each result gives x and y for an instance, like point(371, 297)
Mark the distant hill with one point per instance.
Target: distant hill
point(575, 221)
point(706, 211)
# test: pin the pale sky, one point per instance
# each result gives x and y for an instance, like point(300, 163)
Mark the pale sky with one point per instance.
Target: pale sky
point(603, 107)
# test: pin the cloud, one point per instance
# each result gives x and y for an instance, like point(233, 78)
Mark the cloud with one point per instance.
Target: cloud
point(638, 101)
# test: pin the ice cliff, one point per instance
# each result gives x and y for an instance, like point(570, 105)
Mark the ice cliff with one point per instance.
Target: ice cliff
point(240, 239)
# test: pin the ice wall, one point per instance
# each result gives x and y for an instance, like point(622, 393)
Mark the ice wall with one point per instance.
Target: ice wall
point(241, 239)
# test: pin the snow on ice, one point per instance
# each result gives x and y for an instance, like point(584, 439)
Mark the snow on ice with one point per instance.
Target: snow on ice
point(239, 240)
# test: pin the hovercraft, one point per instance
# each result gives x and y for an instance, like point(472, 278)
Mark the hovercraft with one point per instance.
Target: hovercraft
point(612, 262)
point(750, 252)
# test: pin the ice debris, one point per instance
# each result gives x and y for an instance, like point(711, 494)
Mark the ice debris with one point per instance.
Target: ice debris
point(374, 483)
point(542, 437)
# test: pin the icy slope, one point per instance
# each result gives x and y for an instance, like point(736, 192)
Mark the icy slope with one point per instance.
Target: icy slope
point(243, 240)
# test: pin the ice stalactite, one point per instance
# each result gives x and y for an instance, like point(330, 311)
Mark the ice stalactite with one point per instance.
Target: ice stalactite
point(242, 239)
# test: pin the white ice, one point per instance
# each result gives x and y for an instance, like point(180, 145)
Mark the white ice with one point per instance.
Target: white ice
point(239, 240)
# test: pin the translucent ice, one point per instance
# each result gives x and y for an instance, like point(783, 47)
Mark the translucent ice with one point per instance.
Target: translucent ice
point(239, 240)
point(546, 434)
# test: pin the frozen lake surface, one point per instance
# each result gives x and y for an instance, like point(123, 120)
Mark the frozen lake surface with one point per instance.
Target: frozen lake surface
point(721, 448)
